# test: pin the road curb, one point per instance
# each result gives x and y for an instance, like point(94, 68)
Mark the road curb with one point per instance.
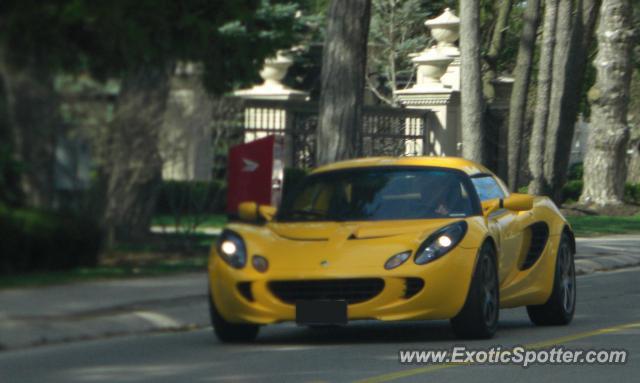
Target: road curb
point(606, 262)
point(160, 316)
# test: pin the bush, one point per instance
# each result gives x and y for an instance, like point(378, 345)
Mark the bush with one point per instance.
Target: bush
point(572, 190)
point(34, 240)
point(632, 193)
point(191, 197)
point(575, 172)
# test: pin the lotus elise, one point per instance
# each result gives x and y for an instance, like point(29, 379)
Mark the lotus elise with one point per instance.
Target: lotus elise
point(393, 239)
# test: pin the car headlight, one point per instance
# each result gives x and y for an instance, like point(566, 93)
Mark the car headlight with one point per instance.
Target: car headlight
point(440, 242)
point(232, 249)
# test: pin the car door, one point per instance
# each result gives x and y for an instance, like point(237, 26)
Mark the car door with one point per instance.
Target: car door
point(503, 222)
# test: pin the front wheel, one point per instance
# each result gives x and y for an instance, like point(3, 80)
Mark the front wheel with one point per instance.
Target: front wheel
point(561, 305)
point(478, 319)
point(228, 332)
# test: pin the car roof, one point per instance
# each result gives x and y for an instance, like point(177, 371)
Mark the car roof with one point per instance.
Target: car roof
point(469, 167)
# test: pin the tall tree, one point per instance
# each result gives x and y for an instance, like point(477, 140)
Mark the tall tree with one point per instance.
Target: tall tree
point(574, 35)
point(559, 79)
point(503, 10)
point(541, 114)
point(605, 161)
point(472, 104)
point(397, 29)
point(518, 102)
point(343, 79)
point(139, 43)
point(29, 32)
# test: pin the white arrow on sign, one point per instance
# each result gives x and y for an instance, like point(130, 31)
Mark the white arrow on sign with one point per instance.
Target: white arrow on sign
point(249, 166)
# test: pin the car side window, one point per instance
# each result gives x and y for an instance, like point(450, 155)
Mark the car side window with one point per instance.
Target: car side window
point(487, 188)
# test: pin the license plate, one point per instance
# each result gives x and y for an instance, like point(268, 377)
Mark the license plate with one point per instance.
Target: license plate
point(321, 312)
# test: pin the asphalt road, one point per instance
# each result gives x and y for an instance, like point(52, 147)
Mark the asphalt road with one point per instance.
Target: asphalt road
point(608, 316)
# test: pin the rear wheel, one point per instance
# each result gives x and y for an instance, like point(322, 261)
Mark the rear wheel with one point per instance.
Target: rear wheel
point(228, 332)
point(561, 305)
point(478, 319)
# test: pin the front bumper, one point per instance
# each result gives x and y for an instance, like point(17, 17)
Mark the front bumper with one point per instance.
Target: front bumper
point(446, 284)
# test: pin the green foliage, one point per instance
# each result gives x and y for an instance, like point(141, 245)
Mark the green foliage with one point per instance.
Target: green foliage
point(191, 197)
point(576, 171)
point(632, 193)
point(161, 267)
point(397, 29)
point(34, 240)
point(9, 170)
point(231, 38)
point(571, 190)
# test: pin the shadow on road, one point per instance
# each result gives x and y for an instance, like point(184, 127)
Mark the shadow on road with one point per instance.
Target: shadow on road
point(372, 332)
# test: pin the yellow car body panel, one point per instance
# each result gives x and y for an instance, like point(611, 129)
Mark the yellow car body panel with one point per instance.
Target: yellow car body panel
point(338, 250)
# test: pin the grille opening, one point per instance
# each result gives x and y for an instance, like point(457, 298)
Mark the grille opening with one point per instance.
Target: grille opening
point(350, 290)
point(412, 287)
point(245, 290)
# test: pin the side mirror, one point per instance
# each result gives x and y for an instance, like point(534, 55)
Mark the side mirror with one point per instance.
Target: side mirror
point(518, 202)
point(251, 212)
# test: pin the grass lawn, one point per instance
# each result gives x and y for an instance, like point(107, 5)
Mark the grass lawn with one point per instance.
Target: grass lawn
point(156, 268)
point(594, 225)
point(162, 255)
point(203, 221)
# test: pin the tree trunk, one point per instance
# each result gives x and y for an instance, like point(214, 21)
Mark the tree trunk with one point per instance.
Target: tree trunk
point(605, 161)
point(541, 114)
point(574, 36)
point(473, 138)
point(132, 162)
point(561, 61)
point(518, 102)
point(343, 80)
point(495, 47)
point(33, 119)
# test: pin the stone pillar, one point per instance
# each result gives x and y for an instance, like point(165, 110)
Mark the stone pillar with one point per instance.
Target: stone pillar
point(185, 140)
point(433, 66)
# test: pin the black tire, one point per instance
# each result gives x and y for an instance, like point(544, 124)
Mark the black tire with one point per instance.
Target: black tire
point(561, 305)
point(478, 318)
point(228, 332)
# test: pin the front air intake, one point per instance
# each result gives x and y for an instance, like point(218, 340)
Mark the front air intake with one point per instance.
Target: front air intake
point(350, 290)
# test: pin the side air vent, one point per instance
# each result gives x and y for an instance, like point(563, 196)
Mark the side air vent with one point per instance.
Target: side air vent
point(539, 238)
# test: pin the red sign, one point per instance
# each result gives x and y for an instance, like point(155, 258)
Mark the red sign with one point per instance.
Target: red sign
point(253, 171)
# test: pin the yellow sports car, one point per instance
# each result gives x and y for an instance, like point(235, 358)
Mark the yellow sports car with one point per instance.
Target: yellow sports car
point(392, 239)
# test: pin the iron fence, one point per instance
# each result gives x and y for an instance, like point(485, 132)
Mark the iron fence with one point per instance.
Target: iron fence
point(386, 131)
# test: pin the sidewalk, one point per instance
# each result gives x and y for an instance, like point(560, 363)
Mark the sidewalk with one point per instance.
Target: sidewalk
point(97, 309)
point(54, 314)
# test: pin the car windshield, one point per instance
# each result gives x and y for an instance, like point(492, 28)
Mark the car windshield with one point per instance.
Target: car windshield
point(375, 194)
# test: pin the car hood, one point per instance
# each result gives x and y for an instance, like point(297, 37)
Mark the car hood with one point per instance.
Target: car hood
point(344, 231)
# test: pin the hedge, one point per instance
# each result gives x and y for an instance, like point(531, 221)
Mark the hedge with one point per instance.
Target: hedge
point(35, 240)
point(189, 197)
